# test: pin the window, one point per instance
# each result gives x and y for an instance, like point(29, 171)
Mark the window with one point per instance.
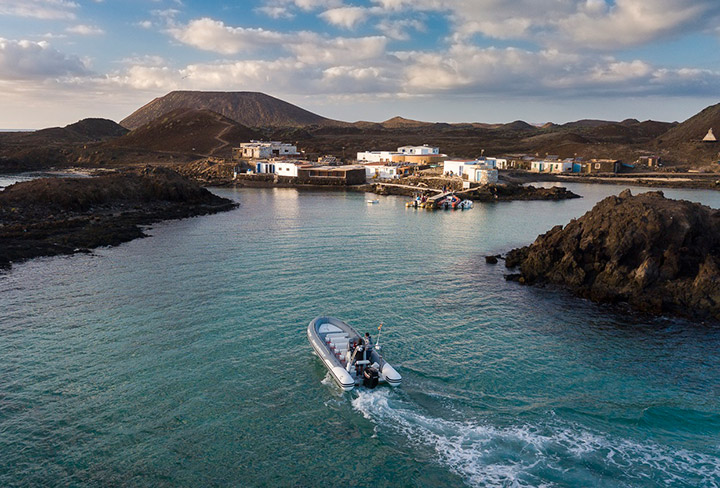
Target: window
point(597, 165)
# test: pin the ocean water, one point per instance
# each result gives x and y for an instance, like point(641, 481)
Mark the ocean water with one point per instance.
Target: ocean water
point(182, 359)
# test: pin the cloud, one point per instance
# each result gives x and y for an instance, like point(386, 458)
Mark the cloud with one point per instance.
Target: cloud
point(39, 9)
point(346, 17)
point(604, 25)
point(313, 49)
point(467, 69)
point(315, 4)
point(141, 77)
point(400, 29)
point(85, 30)
point(29, 60)
point(275, 12)
point(627, 23)
point(308, 47)
point(213, 35)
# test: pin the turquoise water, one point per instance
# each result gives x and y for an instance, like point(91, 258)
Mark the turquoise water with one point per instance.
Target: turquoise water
point(182, 360)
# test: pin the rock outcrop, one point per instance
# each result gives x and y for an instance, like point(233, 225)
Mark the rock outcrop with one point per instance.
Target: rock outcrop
point(52, 216)
point(659, 255)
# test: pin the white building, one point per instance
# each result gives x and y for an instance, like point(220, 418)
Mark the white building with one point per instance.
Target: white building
point(376, 156)
point(483, 175)
point(380, 171)
point(474, 170)
point(265, 167)
point(495, 162)
point(290, 168)
point(502, 164)
point(551, 166)
point(418, 150)
point(457, 167)
point(264, 150)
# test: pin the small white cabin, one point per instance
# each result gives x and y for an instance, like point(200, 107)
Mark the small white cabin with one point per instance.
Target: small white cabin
point(375, 156)
point(419, 150)
point(457, 167)
point(380, 171)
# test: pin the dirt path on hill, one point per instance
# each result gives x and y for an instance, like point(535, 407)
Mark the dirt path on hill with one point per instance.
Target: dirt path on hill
point(219, 138)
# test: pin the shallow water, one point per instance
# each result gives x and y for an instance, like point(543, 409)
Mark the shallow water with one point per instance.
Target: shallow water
point(182, 359)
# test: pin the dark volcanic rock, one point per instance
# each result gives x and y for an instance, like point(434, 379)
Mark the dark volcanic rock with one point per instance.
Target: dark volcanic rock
point(657, 254)
point(511, 191)
point(52, 216)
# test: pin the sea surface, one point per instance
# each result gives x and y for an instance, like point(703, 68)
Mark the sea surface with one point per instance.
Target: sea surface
point(182, 359)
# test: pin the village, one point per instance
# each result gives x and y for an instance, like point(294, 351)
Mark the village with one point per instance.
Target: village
point(283, 163)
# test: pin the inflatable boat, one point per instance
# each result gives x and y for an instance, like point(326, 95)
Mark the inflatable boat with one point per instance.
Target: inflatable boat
point(350, 359)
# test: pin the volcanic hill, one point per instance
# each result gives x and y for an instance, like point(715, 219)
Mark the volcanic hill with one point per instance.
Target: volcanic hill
point(184, 130)
point(252, 109)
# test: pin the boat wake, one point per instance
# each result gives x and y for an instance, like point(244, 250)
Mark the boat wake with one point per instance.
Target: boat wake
point(536, 455)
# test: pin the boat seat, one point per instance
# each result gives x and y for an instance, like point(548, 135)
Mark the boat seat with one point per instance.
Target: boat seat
point(327, 328)
point(332, 337)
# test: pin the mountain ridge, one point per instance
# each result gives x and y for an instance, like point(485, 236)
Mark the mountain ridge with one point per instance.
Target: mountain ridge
point(251, 109)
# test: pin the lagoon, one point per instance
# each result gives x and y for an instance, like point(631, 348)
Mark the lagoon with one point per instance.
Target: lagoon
point(182, 360)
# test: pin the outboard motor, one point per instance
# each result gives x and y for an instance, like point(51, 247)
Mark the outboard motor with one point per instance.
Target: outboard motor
point(370, 377)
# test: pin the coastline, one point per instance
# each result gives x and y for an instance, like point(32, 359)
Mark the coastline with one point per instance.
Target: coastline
point(699, 181)
point(55, 216)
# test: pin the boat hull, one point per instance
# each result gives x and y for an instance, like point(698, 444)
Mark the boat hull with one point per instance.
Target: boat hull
point(331, 339)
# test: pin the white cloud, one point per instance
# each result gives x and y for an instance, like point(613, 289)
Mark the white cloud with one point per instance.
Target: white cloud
point(315, 4)
point(597, 24)
point(466, 69)
point(85, 30)
point(275, 12)
point(308, 47)
point(633, 22)
point(145, 24)
point(147, 60)
point(149, 77)
point(400, 29)
point(39, 9)
point(29, 60)
point(214, 35)
point(346, 17)
point(313, 49)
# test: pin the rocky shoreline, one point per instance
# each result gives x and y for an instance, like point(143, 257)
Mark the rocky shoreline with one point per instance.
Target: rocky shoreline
point(656, 254)
point(54, 216)
point(500, 192)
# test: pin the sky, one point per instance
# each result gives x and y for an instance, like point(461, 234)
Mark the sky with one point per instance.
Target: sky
point(433, 60)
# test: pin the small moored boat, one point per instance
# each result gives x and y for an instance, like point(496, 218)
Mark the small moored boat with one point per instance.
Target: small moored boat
point(348, 359)
point(372, 202)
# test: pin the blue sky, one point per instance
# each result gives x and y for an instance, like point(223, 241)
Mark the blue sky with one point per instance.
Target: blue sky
point(435, 60)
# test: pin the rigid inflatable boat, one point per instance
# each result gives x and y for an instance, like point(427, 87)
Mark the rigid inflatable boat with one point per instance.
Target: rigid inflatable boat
point(350, 361)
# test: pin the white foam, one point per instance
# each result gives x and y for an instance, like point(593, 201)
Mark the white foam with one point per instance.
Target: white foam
point(524, 455)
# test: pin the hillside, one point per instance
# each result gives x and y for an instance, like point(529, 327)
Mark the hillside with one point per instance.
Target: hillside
point(694, 128)
point(200, 132)
point(55, 146)
point(251, 109)
point(86, 130)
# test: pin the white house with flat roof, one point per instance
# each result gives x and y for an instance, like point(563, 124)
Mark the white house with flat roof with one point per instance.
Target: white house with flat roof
point(418, 150)
point(482, 174)
point(264, 150)
point(381, 171)
point(551, 166)
point(376, 156)
point(290, 168)
point(456, 167)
